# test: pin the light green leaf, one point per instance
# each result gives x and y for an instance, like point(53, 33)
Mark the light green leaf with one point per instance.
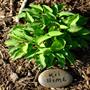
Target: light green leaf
point(37, 7)
point(42, 50)
point(25, 47)
point(42, 60)
point(58, 45)
point(63, 27)
point(74, 21)
point(21, 15)
point(13, 49)
point(20, 52)
point(51, 16)
point(54, 33)
point(47, 8)
point(29, 17)
point(15, 37)
point(11, 42)
point(74, 29)
point(29, 38)
point(47, 36)
point(52, 28)
point(65, 13)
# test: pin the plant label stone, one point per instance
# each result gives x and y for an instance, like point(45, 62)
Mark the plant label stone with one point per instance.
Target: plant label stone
point(54, 78)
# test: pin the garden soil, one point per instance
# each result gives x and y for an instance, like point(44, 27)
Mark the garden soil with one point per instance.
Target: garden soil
point(21, 74)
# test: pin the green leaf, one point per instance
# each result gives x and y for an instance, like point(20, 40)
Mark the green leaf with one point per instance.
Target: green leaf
point(75, 44)
point(61, 59)
point(55, 8)
point(74, 21)
point(42, 61)
point(25, 10)
point(11, 42)
point(82, 20)
point(71, 20)
point(51, 16)
point(47, 18)
point(65, 13)
point(83, 43)
point(37, 7)
point(84, 31)
point(12, 50)
point(42, 50)
point(74, 29)
point(69, 56)
point(29, 17)
point(21, 15)
point(60, 6)
point(63, 27)
point(20, 52)
point(54, 33)
point(49, 60)
point(25, 47)
point(47, 8)
point(47, 36)
point(58, 45)
point(52, 28)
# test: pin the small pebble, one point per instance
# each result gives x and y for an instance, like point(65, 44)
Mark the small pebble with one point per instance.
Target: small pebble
point(13, 76)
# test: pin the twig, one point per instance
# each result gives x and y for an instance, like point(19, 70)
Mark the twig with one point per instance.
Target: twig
point(11, 7)
point(1, 58)
point(36, 76)
point(21, 8)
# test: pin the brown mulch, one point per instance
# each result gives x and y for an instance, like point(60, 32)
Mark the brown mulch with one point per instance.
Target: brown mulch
point(21, 74)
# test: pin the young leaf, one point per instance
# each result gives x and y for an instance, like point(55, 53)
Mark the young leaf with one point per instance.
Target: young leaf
point(49, 60)
point(54, 33)
point(13, 50)
point(48, 35)
point(65, 13)
point(21, 15)
point(69, 56)
point(29, 17)
point(74, 29)
point(42, 60)
point(47, 8)
point(63, 27)
point(11, 42)
point(75, 20)
point(20, 52)
point(84, 31)
point(55, 8)
point(61, 59)
point(37, 7)
point(58, 45)
point(51, 16)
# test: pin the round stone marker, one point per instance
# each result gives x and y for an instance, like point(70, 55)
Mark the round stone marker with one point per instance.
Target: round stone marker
point(54, 78)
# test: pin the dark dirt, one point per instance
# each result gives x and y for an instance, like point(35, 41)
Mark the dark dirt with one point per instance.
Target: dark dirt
point(21, 74)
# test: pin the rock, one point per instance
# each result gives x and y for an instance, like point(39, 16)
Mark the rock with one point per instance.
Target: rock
point(54, 78)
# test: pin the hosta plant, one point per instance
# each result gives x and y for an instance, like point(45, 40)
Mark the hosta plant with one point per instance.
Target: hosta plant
point(47, 35)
